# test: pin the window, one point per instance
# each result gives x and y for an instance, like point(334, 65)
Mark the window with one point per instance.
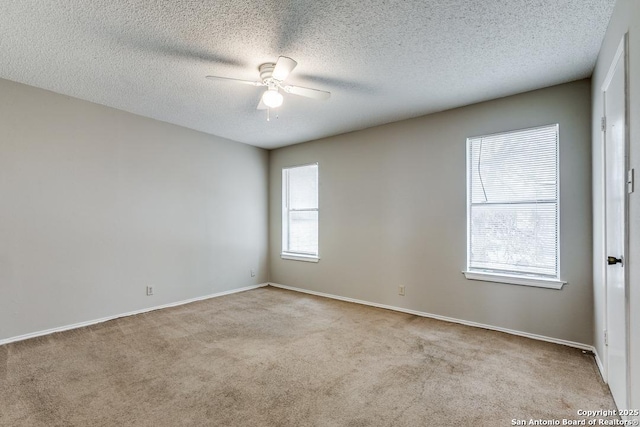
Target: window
point(300, 213)
point(512, 202)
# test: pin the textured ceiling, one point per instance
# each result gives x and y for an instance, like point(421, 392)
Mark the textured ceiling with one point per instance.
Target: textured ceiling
point(382, 60)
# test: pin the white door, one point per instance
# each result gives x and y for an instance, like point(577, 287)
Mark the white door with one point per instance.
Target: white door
point(615, 213)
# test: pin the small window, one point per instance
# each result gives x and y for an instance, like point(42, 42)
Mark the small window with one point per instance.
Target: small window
point(300, 213)
point(512, 201)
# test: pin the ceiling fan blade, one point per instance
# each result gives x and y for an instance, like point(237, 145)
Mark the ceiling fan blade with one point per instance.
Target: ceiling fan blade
point(308, 92)
point(262, 105)
point(246, 82)
point(283, 67)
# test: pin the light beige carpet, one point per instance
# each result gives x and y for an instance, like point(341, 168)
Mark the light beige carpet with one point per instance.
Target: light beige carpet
point(270, 357)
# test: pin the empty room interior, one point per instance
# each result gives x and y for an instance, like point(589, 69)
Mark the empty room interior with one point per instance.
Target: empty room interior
point(296, 213)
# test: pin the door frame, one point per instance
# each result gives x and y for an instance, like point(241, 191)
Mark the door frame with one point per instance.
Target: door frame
point(622, 51)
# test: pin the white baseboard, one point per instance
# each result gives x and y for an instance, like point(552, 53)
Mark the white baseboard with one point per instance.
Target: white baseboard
point(446, 319)
point(321, 294)
point(600, 365)
point(131, 313)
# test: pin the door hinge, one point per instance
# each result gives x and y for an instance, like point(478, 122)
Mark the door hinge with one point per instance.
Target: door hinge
point(630, 181)
point(603, 123)
point(606, 337)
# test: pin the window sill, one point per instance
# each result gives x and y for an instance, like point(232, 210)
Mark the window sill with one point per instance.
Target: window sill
point(299, 257)
point(514, 280)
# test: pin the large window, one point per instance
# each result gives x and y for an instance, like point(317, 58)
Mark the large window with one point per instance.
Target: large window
point(300, 212)
point(512, 201)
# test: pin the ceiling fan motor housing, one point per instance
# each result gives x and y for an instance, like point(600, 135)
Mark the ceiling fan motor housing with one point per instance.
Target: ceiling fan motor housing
point(266, 72)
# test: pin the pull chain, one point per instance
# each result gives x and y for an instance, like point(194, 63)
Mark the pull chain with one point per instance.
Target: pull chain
point(269, 115)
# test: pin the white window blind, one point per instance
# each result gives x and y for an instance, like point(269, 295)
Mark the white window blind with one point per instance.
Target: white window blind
point(513, 203)
point(300, 210)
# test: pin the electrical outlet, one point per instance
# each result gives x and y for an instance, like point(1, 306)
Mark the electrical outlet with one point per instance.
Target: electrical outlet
point(149, 290)
point(253, 273)
point(401, 290)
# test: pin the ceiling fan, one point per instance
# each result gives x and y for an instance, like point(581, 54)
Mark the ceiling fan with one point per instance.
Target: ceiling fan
point(273, 76)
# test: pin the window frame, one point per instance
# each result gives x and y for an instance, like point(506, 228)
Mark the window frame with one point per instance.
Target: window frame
point(523, 279)
point(286, 254)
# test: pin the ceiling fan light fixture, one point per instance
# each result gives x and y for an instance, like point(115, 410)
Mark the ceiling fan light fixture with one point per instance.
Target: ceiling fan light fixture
point(272, 98)
point(272, 76)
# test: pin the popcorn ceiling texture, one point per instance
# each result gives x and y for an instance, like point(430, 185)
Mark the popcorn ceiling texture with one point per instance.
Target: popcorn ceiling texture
point(383, 60)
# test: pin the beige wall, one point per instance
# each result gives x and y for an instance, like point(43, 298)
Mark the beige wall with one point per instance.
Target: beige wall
point(626, 18)
point(393, 212)
point(96, 204)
